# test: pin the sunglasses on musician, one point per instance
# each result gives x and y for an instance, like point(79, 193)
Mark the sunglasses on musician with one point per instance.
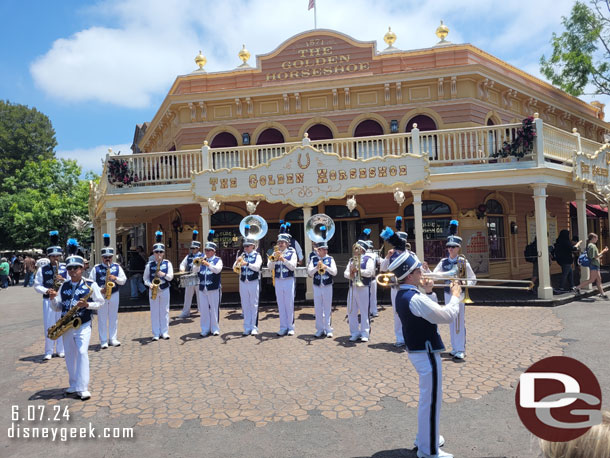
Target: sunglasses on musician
point(73, 267)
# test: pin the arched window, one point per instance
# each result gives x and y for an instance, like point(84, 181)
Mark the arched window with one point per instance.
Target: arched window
point(345, 227)
point(368, 148)
point(319, 132)
point(495, 230)
point(436, 218)
point(225, 218)
point(269, 137)
point(427, 143)
point(226, 159)
point(223, 140)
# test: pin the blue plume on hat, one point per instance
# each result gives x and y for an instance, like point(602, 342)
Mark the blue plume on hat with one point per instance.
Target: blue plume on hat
point(391, 237)
point(106, 239)
point(288, 227)
point(281, 221)
point(211, 235)
point(453, 227)
point(54, 237)
point(158, 236)
point(367, 233)
point(323, 232)
point(282, 228)
point(72, 246)
point(398, 223)
point(195, 234)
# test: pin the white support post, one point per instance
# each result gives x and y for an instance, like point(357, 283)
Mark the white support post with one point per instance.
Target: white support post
point(206, 221)
point(539, 141)
point(308, 248)
point(581, 217)
point(415, 140)
point(578, 142)
point(111, 226)
point(419, 223)
point(206, 156)
point(545, 291)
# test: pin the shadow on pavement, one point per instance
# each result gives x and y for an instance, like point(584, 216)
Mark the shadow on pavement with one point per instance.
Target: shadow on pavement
point(34, 359)
point(344, 341)
point(387, 347)
point(143, 340)
point(57, 393)
point(264, 336)
point(192, 336)
point(399, 452)
point(231, 335)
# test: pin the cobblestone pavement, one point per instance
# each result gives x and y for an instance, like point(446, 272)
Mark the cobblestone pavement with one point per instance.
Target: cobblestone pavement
point(265, 379)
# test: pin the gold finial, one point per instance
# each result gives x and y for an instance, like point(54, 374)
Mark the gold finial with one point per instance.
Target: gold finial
point(200, 60)
point(442, 31)
point(389, 37)
point(244, 55)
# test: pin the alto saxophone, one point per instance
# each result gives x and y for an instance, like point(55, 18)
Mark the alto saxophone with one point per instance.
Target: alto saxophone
point(58, 280)
point(109, 286)
point(156, 282)
point(70, 320)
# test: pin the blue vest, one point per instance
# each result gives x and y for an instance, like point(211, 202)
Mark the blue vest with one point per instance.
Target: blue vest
point(207, 279)
point(325, 279)
point(68, 300)
point(189, 260)
point(47, 276)
point(281, 271)
point(420, 334)
point(246, 272)
point(365, 280)
point(446, 266)
point(164, 269)
point(100, 275)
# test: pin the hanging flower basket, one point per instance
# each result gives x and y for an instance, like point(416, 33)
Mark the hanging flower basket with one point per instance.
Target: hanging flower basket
point(119, 173)
point(523, 144)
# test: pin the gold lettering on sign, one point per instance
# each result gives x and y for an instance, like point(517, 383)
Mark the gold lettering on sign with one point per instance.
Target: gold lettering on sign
point(333, 175)
point(289, 178)
point(280, 179)
point(263, 180)
point(584, 168)
point(233, 182)
point(402, 170)
point(393, 171)
point(322, 176)
point(270, 180)
point(372, 172)
point(342, 175)
point(383, 172)
point(362, 173)
point(252, 181)
point(600, 171)
point(224, 183)
point(214, 182)
point(300, 177)
point(352, 173)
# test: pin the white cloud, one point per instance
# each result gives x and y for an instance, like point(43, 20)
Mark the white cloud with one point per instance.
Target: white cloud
point(90, 159)
point(156, 40)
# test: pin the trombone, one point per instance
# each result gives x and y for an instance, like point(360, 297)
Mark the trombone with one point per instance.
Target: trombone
point(389, 279)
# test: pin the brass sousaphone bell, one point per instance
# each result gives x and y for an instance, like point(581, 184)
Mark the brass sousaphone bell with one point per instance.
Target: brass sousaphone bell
point(312, 229)
point(258, 229)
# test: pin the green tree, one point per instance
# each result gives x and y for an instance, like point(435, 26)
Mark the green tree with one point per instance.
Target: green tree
point(42, 196)
point(581, 54)
point(25, 135)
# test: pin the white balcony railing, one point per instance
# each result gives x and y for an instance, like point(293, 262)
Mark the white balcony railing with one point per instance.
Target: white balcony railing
point(472, 145)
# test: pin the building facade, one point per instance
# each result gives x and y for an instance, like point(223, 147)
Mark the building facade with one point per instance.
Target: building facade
point(328, 124)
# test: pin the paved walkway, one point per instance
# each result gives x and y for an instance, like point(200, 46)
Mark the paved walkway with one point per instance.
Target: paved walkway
point(281, 396)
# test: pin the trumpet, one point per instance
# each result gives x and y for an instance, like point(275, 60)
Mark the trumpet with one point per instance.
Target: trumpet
point(70, 320)
point(321, 268)
point(276, 255)
point(240, 261)
point(197, 262)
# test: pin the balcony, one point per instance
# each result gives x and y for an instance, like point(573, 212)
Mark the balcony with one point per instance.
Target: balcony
point(470, 148)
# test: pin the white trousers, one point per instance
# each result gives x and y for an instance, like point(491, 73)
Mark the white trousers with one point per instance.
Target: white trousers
point(322, 303)
point(49, 318)
point(428, 366)
point(108, 319)
point(76, 343)
point(188, 298)
point(397, 323)
point(249, 292)
point(159, 312)
point(373, 297)
point(458, 328)
point(284, 294)
point(358, 301)
point(209, 301)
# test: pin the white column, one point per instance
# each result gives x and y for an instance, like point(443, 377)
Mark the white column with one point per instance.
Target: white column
point(419, 223)
point(538, 142)
point(307, 250)
point(581, 216)
point(206, 221)
point(111, 226)
point(545, 291)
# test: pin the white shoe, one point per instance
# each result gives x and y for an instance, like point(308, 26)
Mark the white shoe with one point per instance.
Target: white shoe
point(329, 334)
point(104, 345)
point(441, 441)
point(155, 338)
point(319, 334)
point(216, 333)
point(84, 395)
point(47, 357)
point(290, 333)
point(459, 355)
point(364, 339)
point(354, 338)
point(115, 343)
point(165, 336)
point(62, 355)
point(254, 332)
point(441, 454)
point(453, 352)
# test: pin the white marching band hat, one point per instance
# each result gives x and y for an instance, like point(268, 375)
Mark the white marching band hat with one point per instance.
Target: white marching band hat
point(158, 246)
point(404, 264)
point(453, 239)
point(107, 250)
point(54, 249)
point(209, 245)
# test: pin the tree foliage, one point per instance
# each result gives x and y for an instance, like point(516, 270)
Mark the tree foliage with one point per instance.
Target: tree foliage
point(581, 54)
point(25, 135)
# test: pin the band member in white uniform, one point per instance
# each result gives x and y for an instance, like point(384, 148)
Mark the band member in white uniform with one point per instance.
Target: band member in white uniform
point(162, 270)
point(283, 271)
point(399, 246)
point(457, 326)
point(209, 288)
point(186, 266)
point(108, 313)
point(370, 251)
point(294, 243)
point(420, 313)
point(359, 295)
point(249, 264)
point(87, 296)
point(49, 277)
point(322, 286)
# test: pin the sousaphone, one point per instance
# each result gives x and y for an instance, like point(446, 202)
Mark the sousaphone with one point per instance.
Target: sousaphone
point(258, 227)
point(312, 228)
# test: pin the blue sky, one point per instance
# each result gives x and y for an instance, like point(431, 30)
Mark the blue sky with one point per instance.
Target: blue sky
point(99, 68)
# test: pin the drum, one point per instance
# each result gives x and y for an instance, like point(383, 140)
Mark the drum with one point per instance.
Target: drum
point(189, 280)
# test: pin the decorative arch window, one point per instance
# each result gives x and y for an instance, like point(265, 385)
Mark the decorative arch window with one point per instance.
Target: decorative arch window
point(227, 159)
point(225, 218)
point(427, 143)
point(365, 149)
point(436, 218)
point(270, 136)
point(345, 224)
point(223, 140)
point(495, 230)
point(319, 132)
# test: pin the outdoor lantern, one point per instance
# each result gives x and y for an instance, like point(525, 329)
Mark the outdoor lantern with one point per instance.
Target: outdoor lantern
point(245, 138)
point(394, 126)
point(513, 228)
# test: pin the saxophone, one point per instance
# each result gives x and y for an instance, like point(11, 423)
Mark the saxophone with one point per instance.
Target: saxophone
point(70, 320)
point(109, 285)
point(58, 280)
point(156, 282)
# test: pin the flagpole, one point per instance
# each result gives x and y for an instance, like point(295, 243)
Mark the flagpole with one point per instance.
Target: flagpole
point(315, 16)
